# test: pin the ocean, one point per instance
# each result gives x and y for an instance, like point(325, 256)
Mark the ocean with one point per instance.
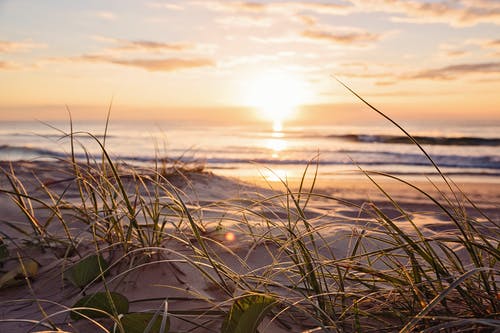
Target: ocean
point(463, 152)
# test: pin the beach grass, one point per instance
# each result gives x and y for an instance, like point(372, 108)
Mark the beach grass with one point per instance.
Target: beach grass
point(293, 270)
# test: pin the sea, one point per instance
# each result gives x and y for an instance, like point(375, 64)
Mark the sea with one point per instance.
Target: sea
point(464, 152)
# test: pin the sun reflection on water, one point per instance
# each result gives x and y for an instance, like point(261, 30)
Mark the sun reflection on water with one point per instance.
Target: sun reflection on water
point(277, 125)
point(276, 146)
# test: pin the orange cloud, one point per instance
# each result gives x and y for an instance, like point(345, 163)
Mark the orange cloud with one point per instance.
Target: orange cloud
point(108, 16)
point(340, 37)
point(383, 77)
point(143, 45)
point(4, 65)
point(455, 13)
point(281, 7)
point(153, 65)
point(493, 43)
point(146, 45)
point(451, 72)
point(10, 47)
point(169, 6)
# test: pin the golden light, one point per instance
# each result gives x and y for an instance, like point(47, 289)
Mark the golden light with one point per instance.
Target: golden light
point(275, 175)
point(276, 96)
point(230, 237)
point(276, 145)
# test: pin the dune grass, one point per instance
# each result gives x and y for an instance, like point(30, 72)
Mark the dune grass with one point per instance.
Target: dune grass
point(390, 275)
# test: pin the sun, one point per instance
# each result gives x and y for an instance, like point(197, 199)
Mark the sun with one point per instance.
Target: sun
point(276, 96)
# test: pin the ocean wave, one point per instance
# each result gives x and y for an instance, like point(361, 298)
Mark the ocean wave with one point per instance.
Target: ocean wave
point(29, 151)
point(483, 162)
point(222, 158)
point(424, 140)
point(80, 135)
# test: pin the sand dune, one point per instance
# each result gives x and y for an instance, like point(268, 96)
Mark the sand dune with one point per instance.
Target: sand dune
point(237, 220)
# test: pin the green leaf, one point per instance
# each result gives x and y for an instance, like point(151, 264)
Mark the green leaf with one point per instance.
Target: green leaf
point(246, 313)
point(25, 268)
point(138, 322)
point(99, 301)
point(86, 270)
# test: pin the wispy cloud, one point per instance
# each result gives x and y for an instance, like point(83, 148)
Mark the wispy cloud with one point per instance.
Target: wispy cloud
point(456, 13)
point(105, 15)
point(147, 45)
point(451, 51)
point(5, 65)
point(153, 65)
point(453, 71)
point(11, 47)
point(166, 5)
point(382, 76)
point(494, 43)
point(274, 7)
point(308, 20)
point(122, 45)
point(255, 59)
point(244, 21)
point(341, 37)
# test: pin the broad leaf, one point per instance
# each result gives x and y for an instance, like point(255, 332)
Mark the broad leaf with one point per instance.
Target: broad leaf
point(86, 270)
point(99, 301)
point(246, 313)
point(138, 323)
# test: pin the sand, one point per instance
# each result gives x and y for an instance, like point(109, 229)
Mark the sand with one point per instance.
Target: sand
point(220, 203)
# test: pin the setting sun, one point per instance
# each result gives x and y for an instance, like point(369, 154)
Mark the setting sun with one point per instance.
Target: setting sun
point(276, 96)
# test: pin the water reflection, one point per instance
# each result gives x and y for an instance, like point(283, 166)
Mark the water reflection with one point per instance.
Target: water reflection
point(278, 145)
point(277, 125)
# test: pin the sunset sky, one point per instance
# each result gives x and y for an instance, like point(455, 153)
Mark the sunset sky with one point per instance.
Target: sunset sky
point(214, 59)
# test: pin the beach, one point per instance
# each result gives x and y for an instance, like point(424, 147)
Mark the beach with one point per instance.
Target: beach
point(244, 225)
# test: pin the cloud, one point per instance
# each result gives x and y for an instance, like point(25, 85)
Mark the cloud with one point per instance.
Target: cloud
point(245, 21)
point(255, 59)
point(274, 7)
point(340, 37)
point(451, 51)
point(146, 45)
point(492, 43)
point(108, 16)
point(11, 47)
point(169, 6)
point(122, 45)
point(384, 77)
point(307, 20)
point(455, 53)
point(321, 8)
point(152, 65)
point(4, 65)
point(451, 72)
point(455, 13)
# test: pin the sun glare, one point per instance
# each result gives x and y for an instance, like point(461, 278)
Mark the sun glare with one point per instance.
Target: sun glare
point(276, 96)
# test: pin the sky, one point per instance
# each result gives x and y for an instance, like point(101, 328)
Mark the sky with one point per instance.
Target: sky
point(218, 60)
